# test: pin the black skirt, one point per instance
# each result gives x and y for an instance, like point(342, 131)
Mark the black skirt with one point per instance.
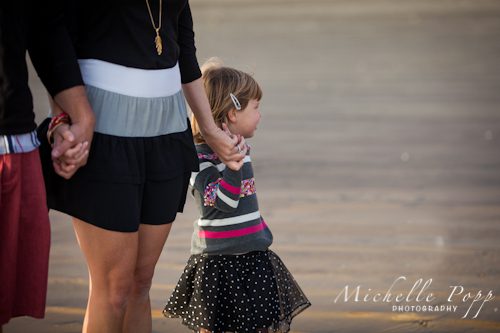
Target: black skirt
point(126, 181)
point(236, 293)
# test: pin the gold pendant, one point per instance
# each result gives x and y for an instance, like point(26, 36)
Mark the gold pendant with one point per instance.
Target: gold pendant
point(159, 47)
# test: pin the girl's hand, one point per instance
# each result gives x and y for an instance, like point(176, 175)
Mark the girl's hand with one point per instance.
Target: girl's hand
point(237, 165)
point(225, 145)
point(241, 146)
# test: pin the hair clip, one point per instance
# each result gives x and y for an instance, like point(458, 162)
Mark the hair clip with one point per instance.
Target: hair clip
point(236, 103)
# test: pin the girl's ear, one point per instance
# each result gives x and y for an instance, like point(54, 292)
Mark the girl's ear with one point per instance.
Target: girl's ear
point(231, 116)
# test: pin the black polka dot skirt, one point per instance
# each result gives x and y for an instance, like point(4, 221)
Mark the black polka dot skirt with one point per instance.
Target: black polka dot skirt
point(236, 293)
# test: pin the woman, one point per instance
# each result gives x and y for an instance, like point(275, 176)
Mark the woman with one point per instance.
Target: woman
point(138, 61)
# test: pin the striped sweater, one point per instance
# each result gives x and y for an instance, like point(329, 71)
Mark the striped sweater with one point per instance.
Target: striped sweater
point(230, 221)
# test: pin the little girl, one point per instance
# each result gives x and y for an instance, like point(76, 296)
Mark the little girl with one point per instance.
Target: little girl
point(232, 281)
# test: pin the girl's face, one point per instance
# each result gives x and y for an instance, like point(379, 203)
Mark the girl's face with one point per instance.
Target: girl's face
point(244, 122)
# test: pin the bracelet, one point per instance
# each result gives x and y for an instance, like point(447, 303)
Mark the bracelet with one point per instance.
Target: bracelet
point(55, 122)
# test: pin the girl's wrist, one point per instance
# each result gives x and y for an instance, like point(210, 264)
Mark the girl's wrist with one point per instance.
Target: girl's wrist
point(233, 169)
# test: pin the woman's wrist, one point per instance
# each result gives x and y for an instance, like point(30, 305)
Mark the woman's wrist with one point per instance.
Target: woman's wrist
point(74, 102)
point(57, 121)
point(209, 130)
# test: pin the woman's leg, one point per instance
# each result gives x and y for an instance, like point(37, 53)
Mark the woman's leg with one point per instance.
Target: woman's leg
point(152, 238)
point(111, 257)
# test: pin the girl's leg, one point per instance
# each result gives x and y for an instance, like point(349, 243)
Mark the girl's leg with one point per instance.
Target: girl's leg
point(152, 238)
point(111, 257)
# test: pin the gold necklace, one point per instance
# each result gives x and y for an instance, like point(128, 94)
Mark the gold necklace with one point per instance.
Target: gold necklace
point(159, 47)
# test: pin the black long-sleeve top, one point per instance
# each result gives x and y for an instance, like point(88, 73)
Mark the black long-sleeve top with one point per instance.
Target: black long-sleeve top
point(121, 32)
point(37, 26)
point(117, 31)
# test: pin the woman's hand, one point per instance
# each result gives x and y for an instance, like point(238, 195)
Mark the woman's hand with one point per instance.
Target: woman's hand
point(72, 142)
point(230, 148)
point(73, 158)
point(241, 147)
point(75, 103)
point(222, 142)
point(80, 131)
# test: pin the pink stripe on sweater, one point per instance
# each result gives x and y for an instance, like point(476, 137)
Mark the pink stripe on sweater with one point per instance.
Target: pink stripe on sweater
point(230, 188)
point(232, 233)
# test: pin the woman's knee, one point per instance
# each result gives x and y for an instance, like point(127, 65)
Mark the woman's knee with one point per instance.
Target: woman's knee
point(143, 280)
point(114, 290)
point(119, 294)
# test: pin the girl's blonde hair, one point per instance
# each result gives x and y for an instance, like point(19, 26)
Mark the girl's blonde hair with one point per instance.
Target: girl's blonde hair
point(219, 82)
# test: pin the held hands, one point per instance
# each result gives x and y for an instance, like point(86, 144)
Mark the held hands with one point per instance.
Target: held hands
point(240, 147)
point(67, 155)
point(237, 164)
point(70, 149)
point(72, 141)
point(230, 148)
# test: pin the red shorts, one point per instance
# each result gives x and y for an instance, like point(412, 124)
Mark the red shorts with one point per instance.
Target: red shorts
point(24, 237)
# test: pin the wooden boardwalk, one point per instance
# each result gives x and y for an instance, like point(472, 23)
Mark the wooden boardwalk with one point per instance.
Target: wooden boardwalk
point(378, 156)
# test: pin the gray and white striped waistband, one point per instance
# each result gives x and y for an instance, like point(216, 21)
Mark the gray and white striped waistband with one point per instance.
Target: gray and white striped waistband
point(128, 116)
point(134, 102)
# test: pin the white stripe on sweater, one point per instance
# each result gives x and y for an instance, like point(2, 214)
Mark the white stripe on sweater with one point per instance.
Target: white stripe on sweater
point(229, 220)
point(206, 165)
point(226, 199)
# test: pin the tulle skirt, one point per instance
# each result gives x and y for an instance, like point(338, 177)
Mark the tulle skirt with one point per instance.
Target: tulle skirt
point(236, 293)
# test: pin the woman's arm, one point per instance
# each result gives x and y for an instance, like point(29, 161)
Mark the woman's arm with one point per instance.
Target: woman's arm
point(75, 154)
point(74, 102)
point(222, 143)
